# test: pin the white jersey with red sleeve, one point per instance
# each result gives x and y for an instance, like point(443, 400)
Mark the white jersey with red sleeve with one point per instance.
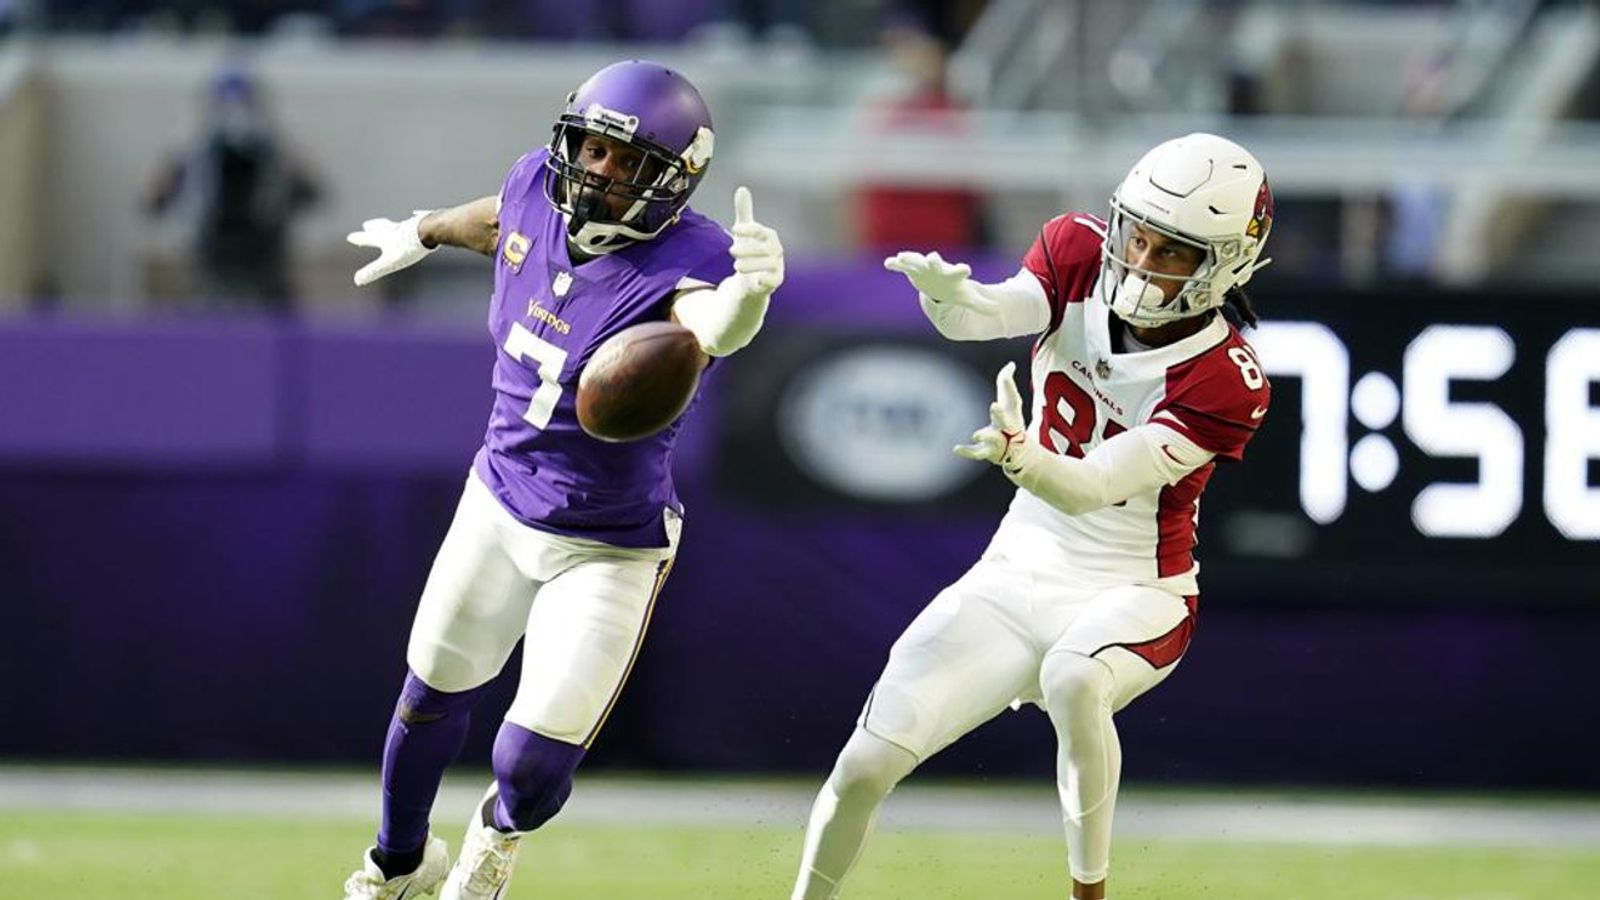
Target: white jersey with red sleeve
point(1207, 387)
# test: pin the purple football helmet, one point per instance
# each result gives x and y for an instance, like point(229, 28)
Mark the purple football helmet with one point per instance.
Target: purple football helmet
point(651, 108)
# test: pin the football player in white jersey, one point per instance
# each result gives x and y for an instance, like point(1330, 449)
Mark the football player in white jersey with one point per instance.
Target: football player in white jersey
point(1086, 596)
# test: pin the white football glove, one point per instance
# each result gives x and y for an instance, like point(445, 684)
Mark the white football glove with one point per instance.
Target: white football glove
point(1004, 441)
point(757, 252)
point(950, 299)
point(933, 278)
point(397, 244)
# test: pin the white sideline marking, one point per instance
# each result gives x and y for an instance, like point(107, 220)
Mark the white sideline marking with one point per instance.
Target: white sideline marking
point(1235, 816)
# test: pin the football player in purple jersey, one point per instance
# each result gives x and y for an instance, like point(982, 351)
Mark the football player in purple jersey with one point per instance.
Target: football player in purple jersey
point(559, 539)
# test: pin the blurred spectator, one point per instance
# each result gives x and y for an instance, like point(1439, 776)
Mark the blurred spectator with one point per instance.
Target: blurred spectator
point(1416, 223)
point(260, 16)
point(1587, 103)
point(947, 20)
point(732, 28)
point(778, 21)
point(416, 19)
point(249, 17)
point(596, 20)
point(1417, 209)
point(243, 187)
point(903, 217)
point(788, 30)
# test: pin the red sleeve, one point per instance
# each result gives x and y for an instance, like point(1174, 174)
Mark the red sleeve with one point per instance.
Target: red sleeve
point(1066, 260)
point(1218, 399)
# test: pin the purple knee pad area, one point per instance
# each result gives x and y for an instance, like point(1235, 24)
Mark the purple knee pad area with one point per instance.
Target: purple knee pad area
point(535, 777)
point(425, 735)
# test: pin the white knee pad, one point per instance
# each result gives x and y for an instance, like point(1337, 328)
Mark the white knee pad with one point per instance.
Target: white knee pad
point(447, 667)
point(570, 710)
point(870, 765)
point(1071, 681)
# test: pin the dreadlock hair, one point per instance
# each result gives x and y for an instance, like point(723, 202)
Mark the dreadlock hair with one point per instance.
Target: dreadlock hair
point(1237, 308)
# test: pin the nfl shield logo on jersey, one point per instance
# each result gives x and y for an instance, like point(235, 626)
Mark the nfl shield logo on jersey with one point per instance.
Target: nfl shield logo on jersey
point(1102, 369)
point(561, 284)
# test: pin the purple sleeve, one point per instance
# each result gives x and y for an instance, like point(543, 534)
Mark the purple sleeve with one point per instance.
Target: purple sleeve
point(522, 175)
point(714, 267)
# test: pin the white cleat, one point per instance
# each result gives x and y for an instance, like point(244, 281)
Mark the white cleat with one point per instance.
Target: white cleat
point(368, 883)
point(483, 870)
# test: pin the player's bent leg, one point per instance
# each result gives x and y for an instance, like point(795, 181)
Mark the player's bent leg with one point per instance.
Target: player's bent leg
point(959, 663)
point(1126, 642)
point(868, 768)
point(370, 883)
point(1077, 691)
point(469, 619)
point(533, 779)
point(425, 735)
point(583, 635)
point(475, 603)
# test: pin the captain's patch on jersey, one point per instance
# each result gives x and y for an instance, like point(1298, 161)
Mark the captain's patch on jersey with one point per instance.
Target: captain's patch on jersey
point(515, 250)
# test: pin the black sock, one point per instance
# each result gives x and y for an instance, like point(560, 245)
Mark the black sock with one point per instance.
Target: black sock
point(394, 865)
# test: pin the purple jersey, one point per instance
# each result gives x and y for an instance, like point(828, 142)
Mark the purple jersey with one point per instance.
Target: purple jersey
point(548, 317)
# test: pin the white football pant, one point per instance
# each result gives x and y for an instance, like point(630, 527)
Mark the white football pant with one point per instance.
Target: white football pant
point(1008, 630)
point(987, 640)
point(583, 605)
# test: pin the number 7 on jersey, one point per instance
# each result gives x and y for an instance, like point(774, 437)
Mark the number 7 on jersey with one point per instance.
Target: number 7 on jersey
point(523, 344)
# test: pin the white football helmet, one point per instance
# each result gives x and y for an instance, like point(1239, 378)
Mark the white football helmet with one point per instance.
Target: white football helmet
point(1202, 190)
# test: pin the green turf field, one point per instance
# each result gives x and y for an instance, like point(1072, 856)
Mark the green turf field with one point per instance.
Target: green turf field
point(83, 856)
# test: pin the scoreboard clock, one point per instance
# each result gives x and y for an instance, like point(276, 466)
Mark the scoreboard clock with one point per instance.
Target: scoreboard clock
point(1437, 428)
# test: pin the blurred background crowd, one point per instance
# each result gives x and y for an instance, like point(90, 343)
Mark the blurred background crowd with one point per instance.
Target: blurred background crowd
point(225, 469)
point(1429, 141)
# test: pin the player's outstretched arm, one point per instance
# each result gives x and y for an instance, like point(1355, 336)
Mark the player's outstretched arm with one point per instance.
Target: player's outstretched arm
point(725, 318)
point(965, 310)
point(474, 226)
point(1134, 462)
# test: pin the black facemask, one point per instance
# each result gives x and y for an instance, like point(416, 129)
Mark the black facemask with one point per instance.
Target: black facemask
point(588, 206)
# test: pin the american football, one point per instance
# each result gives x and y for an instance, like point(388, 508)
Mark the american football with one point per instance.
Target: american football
point(638, 382)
